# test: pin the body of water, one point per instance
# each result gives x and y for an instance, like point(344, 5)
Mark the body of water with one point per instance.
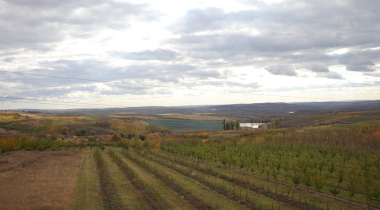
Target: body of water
point(188, 125)
point(251, 125)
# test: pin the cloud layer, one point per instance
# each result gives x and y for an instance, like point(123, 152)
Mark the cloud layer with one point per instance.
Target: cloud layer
point(141, 49)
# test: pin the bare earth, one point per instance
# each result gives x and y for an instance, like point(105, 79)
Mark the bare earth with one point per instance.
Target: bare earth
point(6, 133)
point(38, 180)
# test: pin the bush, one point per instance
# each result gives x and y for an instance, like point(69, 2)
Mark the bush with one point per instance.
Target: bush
point(142, 137)
point(65, 130)
point(115, 137)
point(123, 144)
point(91, 139)
point(83, 132)
point(43, 144)
point(101, 144)
point(131, 135)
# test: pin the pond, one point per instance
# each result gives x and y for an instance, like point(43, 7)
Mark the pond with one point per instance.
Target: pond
point(188, 125)
point(251, 125)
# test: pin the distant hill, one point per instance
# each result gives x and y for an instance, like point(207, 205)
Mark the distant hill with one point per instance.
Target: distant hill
point(239, 110)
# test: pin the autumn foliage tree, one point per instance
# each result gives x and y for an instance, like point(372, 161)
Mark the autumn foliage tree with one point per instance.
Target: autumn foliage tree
point(115, 137)
point(65, 130)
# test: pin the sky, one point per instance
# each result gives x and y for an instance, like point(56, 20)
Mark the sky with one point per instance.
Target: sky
point(114, 53)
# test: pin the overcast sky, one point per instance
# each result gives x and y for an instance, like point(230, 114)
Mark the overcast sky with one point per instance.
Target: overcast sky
point(168, 52)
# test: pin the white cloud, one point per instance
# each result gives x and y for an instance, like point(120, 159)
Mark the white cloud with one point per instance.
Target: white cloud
point(338, 51)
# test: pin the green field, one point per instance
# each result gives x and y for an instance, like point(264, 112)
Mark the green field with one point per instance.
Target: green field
point(188, 125)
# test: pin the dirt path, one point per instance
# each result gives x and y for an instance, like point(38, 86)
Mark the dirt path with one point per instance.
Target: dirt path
point(38, 180)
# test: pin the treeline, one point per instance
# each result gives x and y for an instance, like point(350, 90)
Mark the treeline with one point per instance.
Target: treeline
point(261, 119)
point(8, 144)
point(231, 125)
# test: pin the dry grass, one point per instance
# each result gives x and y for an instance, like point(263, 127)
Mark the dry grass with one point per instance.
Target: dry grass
point(38, 180)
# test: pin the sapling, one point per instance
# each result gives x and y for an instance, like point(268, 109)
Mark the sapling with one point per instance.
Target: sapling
point(295, 177)
point(307, 179)
point(353, 175)
point(319, 182)
point(368, 188)
point(334, 188)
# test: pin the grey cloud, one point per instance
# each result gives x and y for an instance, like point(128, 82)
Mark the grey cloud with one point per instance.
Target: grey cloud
point(38, 25)
point(286, 70)
point(241, 43)
point(292, 32)
point(358, 64)
point(101, 72)
point(367, 84)
point(333, 75)
point(361, 61)
point(363, 66)
point(121, 88)
point(317, 68)
point(170, 72)
point(373, 74)
point(232, 84)
point(8, 60)
point(158, 54)
point(290, 17)
point(200, 20)
point(205, 74)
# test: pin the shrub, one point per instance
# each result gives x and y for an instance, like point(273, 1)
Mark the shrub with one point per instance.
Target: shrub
point(123, 135)
point(131, 135)
point(142, 137)
point(83, 132)
point(65, 130)
point(101, 144)
point(115, 137)
point(91, 139)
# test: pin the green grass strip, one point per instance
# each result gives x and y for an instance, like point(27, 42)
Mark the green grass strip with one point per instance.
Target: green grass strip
point(87, 195)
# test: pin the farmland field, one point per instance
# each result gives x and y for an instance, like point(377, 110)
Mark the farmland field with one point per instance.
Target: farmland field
point(187, 125)
point(128, 164)
point(193, 174)
point(38, 180)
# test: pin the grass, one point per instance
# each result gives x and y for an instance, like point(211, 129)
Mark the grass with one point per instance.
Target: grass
point(125, 190)
point(170, 197)
point(231, 188)
point(201, 191)
point(87, 195)
point(108, 190)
